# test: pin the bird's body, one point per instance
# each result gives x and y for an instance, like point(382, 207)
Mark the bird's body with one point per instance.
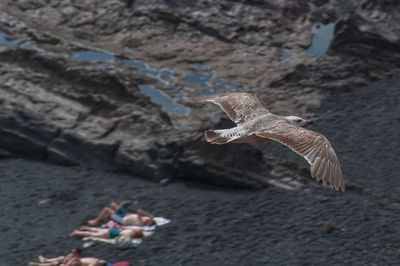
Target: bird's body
point(245, 131)
point(257, 124)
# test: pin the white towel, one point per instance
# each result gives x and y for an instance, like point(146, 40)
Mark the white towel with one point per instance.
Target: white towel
point(143, 228)
point(115, 241)
point(161, 221)
point(158, 220)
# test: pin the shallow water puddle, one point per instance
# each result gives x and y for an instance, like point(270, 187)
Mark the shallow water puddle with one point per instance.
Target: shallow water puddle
point(201, 79)
point(162, 76)
point(3, 40)
point(286, 54)
point(92, 56)
point(323, 35)
point(229, 83)
point(156, 96)
point(144, 70)
point(167, 104)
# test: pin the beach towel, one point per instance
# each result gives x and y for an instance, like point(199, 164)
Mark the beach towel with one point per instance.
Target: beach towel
point(122, 242)
point(122, 263)
point(113, 224)
point(143, 228)
point(159, 221)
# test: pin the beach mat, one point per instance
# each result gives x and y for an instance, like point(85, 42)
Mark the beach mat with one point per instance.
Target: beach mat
point(159, 221)
point(122, 263)
point(120, 242)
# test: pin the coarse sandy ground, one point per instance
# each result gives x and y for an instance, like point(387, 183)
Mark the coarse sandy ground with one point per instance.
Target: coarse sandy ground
point(220, 226)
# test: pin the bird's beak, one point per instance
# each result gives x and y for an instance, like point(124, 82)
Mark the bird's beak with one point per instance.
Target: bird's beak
point(308, 122)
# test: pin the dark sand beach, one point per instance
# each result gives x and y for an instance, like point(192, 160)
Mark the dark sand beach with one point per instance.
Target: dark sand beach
point(210, 226)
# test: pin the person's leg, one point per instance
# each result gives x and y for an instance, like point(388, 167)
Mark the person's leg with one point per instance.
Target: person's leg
point(43, 264)
point(81, 233)
point(92, 262)
point(101, 233)
point(91, 229)
point(114, 206)
point(58, 259)
point(105, 214)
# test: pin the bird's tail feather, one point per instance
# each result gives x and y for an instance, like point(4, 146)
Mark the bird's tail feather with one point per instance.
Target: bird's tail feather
point(216, 137)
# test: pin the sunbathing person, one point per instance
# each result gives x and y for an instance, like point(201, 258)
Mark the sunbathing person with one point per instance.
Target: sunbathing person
point(72, 259)
point(57, 261)
point(106, 233)
point(121, 216)
point(92, 262)
point(89, 261)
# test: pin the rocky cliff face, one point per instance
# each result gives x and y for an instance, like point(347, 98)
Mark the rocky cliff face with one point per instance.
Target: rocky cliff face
point(370, 33)
point(105, 113)
point(56, 110)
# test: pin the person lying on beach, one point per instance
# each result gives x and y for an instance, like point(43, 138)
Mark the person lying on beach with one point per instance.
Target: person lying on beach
point(72, 259)
point(106, 233)
point(89, 261)
point(57, 261)
point(122, 216)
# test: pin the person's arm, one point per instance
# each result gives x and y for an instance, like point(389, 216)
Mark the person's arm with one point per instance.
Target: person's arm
point(141, 212)
point(67, 258)
point(73, 262)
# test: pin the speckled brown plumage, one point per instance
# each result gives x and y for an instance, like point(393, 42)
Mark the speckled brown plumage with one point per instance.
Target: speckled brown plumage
point(257, 124)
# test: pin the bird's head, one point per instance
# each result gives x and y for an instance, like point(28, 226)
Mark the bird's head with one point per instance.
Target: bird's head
point(298, 121)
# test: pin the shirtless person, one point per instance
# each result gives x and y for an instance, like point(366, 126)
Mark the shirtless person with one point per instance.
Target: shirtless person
point(106, 233)
point(72, 259)
point(121, 216)
point(84, 261)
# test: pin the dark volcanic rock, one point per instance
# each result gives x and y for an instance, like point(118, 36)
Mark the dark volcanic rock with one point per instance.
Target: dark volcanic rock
point(370, 33)
point(56, 110)
point(328, 228)
point(241, 21)
point(70, 115)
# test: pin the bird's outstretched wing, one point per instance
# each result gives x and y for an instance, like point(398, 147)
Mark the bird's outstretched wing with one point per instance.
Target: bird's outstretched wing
point(314, 147)
point(240, 107)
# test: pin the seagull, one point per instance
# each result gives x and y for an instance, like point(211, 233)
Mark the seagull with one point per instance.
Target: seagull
point(254, 123)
